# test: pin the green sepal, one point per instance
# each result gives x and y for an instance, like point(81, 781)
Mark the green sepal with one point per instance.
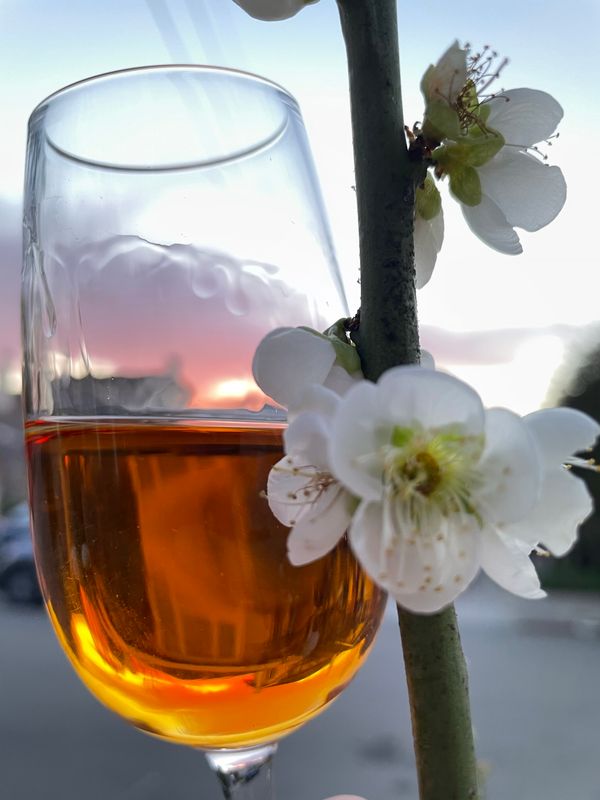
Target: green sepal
point(428, 201)
point(483, 112)
point(441, 121)
point(346, 354)
point(482, 146)
point(465, 185)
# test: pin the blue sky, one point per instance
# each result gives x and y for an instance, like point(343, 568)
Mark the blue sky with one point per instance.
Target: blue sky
point(550, 46)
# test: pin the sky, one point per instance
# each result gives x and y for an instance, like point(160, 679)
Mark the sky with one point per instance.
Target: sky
point(503, 323)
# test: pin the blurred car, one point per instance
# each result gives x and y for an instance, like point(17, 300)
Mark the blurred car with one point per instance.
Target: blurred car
point(18, 579)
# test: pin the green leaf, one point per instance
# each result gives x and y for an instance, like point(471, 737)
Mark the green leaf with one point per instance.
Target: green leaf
point(428, 199)
point(466, 186)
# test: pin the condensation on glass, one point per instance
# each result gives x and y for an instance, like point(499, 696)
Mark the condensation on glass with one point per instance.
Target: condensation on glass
point(172, 218)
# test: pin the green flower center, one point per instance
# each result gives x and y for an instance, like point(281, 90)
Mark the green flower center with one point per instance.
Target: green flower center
point(429, 475)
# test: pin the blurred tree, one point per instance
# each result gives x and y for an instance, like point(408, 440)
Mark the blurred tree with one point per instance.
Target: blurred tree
point(578, 387)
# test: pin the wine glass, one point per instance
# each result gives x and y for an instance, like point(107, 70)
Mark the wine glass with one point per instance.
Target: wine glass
point(172, 218)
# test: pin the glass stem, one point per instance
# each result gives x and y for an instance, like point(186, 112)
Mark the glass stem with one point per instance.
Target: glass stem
point(244, 774)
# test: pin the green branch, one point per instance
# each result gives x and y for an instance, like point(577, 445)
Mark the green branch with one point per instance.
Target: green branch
point(387, 336)
point(385, 188)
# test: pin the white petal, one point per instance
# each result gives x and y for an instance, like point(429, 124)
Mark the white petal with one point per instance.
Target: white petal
point(318, 399)
point(448, 76)
point(454, 563)
point(340, 381)
point(427, 360)
point(563, 505)
point(431, 602)
point(307, 440)
point(272, 9)
point(524, 116)
point(282, 486)
point(507, 563)
point(290, 359)
point(434, 399)
point(528, 192)
point(292, 492)
point(345, 797)
point(428, 238)
point(354, 436)
point(561, 432)
point(490, 225)
point(314, 536)
point(510, 467)
point(365, 536)
point(422, 575)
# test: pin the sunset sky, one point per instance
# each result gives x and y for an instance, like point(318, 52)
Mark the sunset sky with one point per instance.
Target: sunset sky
point(502, 323)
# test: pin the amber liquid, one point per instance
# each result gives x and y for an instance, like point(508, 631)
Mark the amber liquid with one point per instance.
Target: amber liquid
point(166, 578)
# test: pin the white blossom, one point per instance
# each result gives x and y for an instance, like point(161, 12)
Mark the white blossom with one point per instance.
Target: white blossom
point(429, 486)
point(446, 488)
point(490, 147)
point(298, 369)
point(273, 9)
point(518, 189)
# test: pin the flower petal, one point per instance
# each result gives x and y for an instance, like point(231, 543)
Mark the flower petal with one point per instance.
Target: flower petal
point(284, 491)
point(318, 399)
point(345, 797)
point(510, 468)
point(448, 567)
point(528, 192)
point(340, 381)
point(314, 536)
point(447, 78)
point(307, 439)
point(561, 432)
point(288, 360)
point(433, 601)
point(294, 492)
point(563, 505)
point(524, 116)
point(423, 573)
point(365, 537)
point(427, 360)
point(272, 9)
point(507, 562)
point(490, 225)
point(428, 238)
point(406, 395)
point(354, 437)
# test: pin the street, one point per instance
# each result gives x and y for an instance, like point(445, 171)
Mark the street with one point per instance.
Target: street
point(535, 685)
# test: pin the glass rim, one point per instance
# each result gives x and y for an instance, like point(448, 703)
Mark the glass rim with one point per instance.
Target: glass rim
point(117, 73)
point(163, 70)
